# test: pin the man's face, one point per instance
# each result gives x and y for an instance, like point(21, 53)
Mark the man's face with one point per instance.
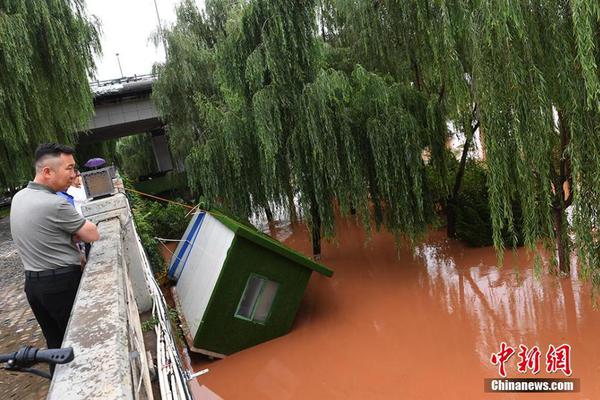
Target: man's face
point(61, 172)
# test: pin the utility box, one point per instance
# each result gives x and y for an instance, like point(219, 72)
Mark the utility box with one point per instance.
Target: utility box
point(99, 182)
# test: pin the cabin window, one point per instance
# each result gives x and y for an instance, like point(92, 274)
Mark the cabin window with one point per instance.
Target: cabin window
point(257, 299)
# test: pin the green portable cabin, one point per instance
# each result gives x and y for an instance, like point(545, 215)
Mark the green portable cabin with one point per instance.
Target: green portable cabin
point(236, 287)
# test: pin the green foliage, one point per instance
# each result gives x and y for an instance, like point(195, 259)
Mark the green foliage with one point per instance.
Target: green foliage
point(391, 125)
point(323, 151)
point(172, 182)
point(437, 184)
point(135, 156)
point(4, 212)
point(188, 78)
point(149, 324)
point(473, 223)
point(154, 219)
point(46, 58)
point(280, 126)
point(173, 315)
point(473, 217)
point(144, 228)
point(146, 232)
point(536, 70)
point(336, 101)
point(106, 150)
point(168, 221)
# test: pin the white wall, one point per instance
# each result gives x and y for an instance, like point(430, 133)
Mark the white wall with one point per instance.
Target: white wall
point(203, 267)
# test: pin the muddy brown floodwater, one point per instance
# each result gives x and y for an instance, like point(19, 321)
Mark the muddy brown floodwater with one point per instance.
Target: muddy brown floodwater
point(419, 326)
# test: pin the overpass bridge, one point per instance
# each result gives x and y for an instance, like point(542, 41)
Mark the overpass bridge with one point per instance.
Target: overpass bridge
point(123, 107)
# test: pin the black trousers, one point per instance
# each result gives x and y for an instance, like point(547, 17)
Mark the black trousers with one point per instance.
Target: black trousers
point(51, 299)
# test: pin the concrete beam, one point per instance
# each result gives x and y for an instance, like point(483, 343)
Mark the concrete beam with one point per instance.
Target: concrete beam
point(121, 118)
point(120, 130)
point(124, 112)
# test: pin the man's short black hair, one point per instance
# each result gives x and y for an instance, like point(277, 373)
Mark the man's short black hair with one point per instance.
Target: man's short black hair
point(52, 149)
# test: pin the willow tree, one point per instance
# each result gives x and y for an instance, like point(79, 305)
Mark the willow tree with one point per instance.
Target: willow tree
point(281, 127)
point(46, 58)
point(427, 46)
point(209, 121)
point(358, 146)
point(524, 72)
point(188, 77)
point(233, 155)
point(135, 156)
point(537, 80)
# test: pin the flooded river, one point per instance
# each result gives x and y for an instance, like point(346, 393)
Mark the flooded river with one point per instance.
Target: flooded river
point(415, 324)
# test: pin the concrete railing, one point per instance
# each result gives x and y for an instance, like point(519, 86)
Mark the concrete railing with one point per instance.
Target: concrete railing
point(104, 329)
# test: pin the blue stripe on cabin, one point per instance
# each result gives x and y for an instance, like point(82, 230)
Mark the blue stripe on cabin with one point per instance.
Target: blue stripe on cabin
point(188, 242)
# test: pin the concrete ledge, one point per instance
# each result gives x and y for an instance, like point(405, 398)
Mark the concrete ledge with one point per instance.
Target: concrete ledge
point(98, 326)
point(102, 209)
point(118, 206)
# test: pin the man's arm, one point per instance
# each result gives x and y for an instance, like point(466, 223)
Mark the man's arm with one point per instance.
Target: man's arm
point(88, 232)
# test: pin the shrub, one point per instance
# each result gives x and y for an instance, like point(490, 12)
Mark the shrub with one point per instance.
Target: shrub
point(168, 221)
point(153, 219)
point(473, 220)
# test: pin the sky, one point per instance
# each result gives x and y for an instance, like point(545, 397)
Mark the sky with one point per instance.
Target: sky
point(127, 26)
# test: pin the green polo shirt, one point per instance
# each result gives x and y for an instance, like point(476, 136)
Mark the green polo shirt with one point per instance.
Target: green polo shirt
point(42, 224)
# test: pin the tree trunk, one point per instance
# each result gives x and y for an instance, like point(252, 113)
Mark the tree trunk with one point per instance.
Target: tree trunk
point(323, 24)
point(562, 239)
point(292, 208)
point(417, 75)
point(269, 214)
point(453, 198)
point(450, 218)
point(563, 200)
point(316, 232)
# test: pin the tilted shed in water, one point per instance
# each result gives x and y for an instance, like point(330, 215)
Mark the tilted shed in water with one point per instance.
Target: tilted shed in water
point(236, 287)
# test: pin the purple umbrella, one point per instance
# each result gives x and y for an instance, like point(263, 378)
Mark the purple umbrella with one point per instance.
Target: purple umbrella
point(94, 163)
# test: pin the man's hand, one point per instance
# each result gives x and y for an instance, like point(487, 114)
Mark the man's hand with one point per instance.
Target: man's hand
point(87, 233)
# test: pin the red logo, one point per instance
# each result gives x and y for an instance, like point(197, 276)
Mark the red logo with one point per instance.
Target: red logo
point(502, 357)
point(557, 359)
point(529, 359)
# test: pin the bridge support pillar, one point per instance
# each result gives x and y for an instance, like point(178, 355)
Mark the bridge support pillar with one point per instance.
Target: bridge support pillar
point(162, 155)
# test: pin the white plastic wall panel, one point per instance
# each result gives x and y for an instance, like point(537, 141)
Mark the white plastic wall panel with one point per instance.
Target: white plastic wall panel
point(184, 247)
point(201, 272)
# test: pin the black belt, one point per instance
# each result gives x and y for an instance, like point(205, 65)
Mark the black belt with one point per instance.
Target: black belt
point(52, 272)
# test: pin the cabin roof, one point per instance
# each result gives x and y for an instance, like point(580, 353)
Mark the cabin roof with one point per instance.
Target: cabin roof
point(268, 242)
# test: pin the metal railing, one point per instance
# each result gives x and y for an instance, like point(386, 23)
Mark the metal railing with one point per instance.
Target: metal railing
point(119, 81)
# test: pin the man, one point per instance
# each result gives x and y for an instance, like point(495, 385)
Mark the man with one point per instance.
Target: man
point(77, 197)
point(77, 192)
point(44, 228)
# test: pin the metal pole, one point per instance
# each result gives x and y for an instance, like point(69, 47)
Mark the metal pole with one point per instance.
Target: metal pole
point(119, 61)
point(160, 30)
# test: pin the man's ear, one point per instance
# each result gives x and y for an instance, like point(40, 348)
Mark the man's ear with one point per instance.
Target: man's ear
point(46, 171)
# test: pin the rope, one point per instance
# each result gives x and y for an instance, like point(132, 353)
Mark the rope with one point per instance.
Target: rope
point(162, 199)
